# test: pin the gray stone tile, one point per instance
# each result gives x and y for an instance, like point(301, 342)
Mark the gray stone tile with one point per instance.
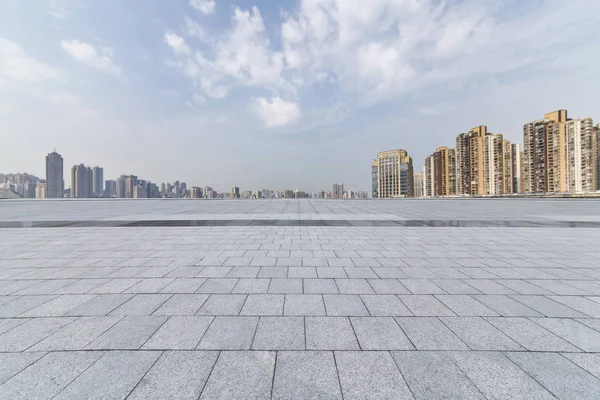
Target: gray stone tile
point(422, 286)
point(572, 331)
point(580, 304)
point(182, 304)
point(558, 375)
point(304, 305)
point(58, 306)
point(331, 272)
point(216, 285)
point(241, 375)
point(425, 306)
point(507, 307)
point(547, 307)
point(531, 336)
point(432, 375)
point(243, 272)
point(362, 271)
point(130, 333)
point(306, 375)
point(8, 324)
point(273, 272)
point(380, 333)
point(371, 375)
point(113, 376)
point(330, 333)
point(141, 304)
point(320, 286)
point(388, 272)
point(465, 306)
point(149, 285)
point(384, 305)
point(100, 305)
point(81, 286)
point(344, 305)
point(488, 286)
point(302, 272)
point(184, 285)
point(284, 286)
point(223, 304)
point(229, 333)
point(28, 334)
point(387, 286)
point(263, 304)
point(279, 333)
point(479, 334)
point(176, 375)
point(497, 377)
point(214, 272)
point(23, 304)
point(354, 286)
point(179, 333)
point(13, 363)
point(77, 334)
point(428, 333)
point(48, 376)
point(115, 286)
point(455, 286)
point(589, 362)
point(252, 286)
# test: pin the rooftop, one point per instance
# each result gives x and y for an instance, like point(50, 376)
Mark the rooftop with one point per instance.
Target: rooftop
point(425, 299)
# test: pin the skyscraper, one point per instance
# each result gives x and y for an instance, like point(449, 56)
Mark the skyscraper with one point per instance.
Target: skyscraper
point(507, 173)
point(121, 189)
point(110, 188)
point(469, 161)
point(493, 164)
point(418, 185)
point(429, 177)
point(445, 171)
point(235, 192)
point(395, 174)
point(55, 184)
point(195, 192)
point(374, 179)
point(597, 133)
point(130, 182)
point(337, 191)
point(97, 181)
point(517, 168)
point(556, 165)
point(581, 148)
point(534, 157)
point(81, 181)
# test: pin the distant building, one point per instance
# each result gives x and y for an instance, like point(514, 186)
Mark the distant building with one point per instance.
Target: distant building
point(581, 148)
point(418, 184)
point(110, 188)
point(54, 176)
point(209, 193)
point(121, 186)
point(140, 192)
point(97, 181)
point(362, 195)
point(337, 191)
point(40, 190)
point(130, 182)
point(597, 133)
point(517, 168)
point(195, 192)
point(374, 179)
point(235, 192)
point(394, 174)
point(81, 181)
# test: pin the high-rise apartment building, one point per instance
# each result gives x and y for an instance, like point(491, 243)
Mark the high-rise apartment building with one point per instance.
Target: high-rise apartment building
point(418, 185)
point(235, 192)
point(54, 176)
point(395, 174)
point(581, 153)
point(195, 192)
point(429, 177)
point(374, 179)
point(110, 188)
point(517, 168)
point(534, 157)
point(209, 193)
point(130, 182)
point(121, 186)
point(445, 171)
point(97, 181)
point(597, 133)
point(469, 161)
point(556, 164)
point(337, 191)
point(507, 164)
point(41, 191)
point(81, 181)
point(492, 151)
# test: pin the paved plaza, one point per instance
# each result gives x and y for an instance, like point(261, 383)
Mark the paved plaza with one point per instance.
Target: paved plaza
point(300, 299)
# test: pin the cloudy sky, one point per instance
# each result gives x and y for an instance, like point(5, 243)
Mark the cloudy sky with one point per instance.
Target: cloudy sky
point(281, 94)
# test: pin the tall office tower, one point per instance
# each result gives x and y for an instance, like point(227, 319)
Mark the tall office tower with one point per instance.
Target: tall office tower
point(469, 161)
point(429, 177)
point(195, 192)
point(395, 174)
point(581, 148)
point(517, 168)
point(110, 188)
point(534, 157)
point(417, 182)
point(41, 191)
point(556, 165)
point(507, 174)
point(121, 189)
point(208, 192)
point(81, 181)
point(338, 191)
point(235, 192)
point(183, 188)
point(597, 133)
point(176, 188)
point(130, 182)
point(493, 164)
point(374, 179)
point(140, 192)
point(98, 181)
point(54, 176)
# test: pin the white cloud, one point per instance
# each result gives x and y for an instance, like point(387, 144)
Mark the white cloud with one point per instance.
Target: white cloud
point(177, 44)
point(204, 6)
point(276, 111)
point(193, 29)
point(16, 65)
point(86, 54)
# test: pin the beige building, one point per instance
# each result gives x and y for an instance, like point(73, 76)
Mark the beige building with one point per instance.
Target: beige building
point(556, 164)
point(429, 177)
point(445, 171)
point(81, 181)
point(195, 192)
point(507, 174)
point(41, 191)
point(418, 184)
point(597, 133)
point(394, 174)
point(469, 161)
point(493, 164)
point(517, 168)
point(581, 153)
point(534, 157)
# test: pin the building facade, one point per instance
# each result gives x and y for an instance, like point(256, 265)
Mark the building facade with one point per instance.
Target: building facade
point(581, 149)
point(97, 181)
point(556, 164)
point(337, 191)
point(41, 191)
point(110, 188)
point(55, 183)
point(418, 183)
point(429, 177)
point(469, 161)
point(81, 181)
point(374, 179)
point(517, 168)
point(235, 192)
point(534, 157)
point(395, 174)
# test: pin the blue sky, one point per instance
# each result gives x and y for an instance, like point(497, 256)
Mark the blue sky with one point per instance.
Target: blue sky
point(285, 94)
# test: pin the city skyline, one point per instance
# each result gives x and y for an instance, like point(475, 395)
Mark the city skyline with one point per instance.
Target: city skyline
point(105, 97)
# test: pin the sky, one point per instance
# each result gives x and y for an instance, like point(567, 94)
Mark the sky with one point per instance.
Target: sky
point(281, 94)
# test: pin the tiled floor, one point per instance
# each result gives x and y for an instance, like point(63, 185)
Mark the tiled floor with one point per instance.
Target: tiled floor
point(300, 312)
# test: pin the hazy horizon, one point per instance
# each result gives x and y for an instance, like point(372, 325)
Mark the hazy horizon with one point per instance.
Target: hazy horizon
point(297, 94)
